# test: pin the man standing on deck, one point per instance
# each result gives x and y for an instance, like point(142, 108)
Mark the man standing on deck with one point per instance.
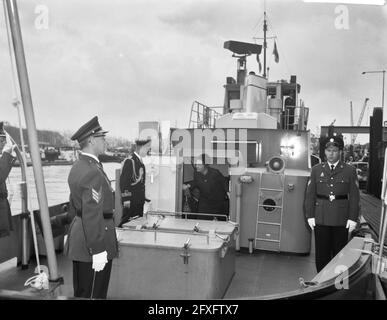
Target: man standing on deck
point(92, 241)
point(332, 202)
point(132, 182)
point(7, 158)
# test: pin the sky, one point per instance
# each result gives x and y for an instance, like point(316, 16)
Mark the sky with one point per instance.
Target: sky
point(148, 60)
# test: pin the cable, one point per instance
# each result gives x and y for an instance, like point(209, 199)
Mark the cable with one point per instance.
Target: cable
point(13, 65)
point(41, 280)
point(258, 24)
point(282, 55)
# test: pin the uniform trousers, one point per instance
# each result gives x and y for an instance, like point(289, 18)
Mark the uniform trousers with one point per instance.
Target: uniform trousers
point(84, 276)
point(135, 209)
point(329, 240)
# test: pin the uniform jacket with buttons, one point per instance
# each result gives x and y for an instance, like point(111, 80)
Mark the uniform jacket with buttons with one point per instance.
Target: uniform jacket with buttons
point(91, 195)
point(213, 189)
point(6, 161)
point(323, 182)
point(132, 184)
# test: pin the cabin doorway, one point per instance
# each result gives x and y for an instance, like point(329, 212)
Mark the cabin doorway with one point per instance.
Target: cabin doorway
point(207, 198)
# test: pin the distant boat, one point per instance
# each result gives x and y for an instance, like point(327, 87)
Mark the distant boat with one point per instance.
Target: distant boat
point(109, 157)
point(57, 162)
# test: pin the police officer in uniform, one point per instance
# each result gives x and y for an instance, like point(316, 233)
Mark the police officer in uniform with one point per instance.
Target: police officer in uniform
point(332, 202)
point(132, 182)
point(7, 158)
point(92, 241)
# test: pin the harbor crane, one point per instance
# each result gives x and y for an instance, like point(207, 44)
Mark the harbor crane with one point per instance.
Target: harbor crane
point(354, 135)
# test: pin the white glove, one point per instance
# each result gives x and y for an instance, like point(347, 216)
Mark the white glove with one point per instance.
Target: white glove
point(312, 223)
point(351, 225)
point(127, 204)
point(186, 186)
point(99, 261)
point(9, 146)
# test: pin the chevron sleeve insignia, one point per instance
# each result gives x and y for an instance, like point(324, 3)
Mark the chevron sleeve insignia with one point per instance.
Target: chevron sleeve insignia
point(96, 195)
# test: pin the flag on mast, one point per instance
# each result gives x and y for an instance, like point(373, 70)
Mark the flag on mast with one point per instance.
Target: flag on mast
point(259, 63)
point(275, 52)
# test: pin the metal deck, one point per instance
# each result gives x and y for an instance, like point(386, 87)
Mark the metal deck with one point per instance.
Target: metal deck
point(261, 273)
point(257, 274)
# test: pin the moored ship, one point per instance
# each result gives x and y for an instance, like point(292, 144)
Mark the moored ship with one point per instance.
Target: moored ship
point(261, 145)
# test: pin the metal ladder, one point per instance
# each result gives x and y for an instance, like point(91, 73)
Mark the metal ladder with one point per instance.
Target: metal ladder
point(271, 206)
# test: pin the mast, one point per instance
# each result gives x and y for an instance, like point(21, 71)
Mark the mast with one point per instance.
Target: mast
point(264, 44)
point(25, 90)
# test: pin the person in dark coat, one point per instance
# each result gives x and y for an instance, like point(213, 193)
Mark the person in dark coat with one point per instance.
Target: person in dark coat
point(132, 182)
point(213, 188)
point(332, 202)
point(8, 156)
point(92, 241)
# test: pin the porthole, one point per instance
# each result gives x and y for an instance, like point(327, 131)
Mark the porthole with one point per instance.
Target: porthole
point(269, 205)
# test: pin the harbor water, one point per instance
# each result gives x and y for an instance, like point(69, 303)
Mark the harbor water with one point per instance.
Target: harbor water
point(57, 188)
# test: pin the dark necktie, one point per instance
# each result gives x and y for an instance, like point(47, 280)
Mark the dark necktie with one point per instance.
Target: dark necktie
point(99, 164)
point(332, 167)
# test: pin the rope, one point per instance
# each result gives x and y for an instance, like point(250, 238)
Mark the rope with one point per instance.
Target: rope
point(39, 281)
point(10, 50)
point(12, 72)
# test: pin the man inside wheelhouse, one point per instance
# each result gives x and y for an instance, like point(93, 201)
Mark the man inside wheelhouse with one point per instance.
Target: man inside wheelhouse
point(213, 190)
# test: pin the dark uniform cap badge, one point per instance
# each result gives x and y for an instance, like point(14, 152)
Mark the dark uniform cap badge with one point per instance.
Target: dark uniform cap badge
point(334, 141)
point(90, 128)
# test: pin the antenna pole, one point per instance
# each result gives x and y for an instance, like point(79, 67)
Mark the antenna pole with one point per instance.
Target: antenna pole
point(264, 44)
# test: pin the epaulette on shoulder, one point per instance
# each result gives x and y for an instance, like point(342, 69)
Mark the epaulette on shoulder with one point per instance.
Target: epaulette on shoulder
point(319, 165)
point(129, 157)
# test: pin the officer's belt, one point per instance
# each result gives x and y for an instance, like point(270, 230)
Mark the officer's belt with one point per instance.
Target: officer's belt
point(332, 197)
point(3, 195)
point(106, 215)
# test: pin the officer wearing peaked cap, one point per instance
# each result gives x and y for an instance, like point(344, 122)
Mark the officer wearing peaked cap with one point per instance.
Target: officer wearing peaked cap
point(92, 241)
point(332, 202)
point(132, 182)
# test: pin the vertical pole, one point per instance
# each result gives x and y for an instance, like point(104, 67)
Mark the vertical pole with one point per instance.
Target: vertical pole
point(238, 193)
point(384, 73)
point(264, 45)
point(383, 220)
point(32, 135)
point(382, 235)
point(117, 199)
point(25, 243)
